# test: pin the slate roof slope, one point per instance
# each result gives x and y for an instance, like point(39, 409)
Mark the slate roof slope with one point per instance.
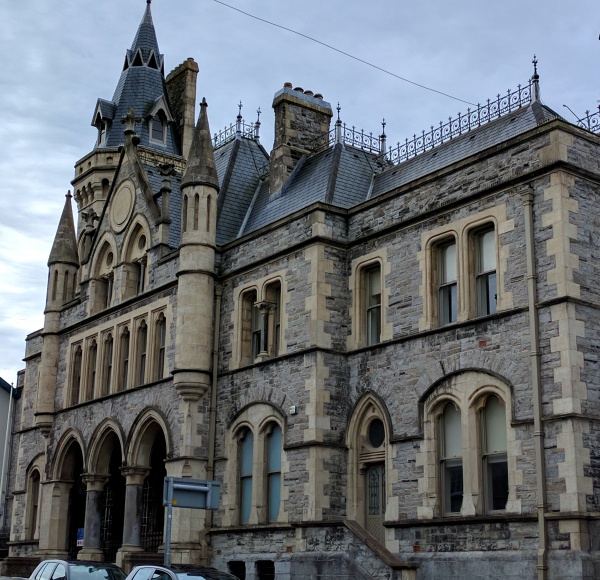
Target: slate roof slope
point(139, 87)
point(238, 168)
point(468, 144)
point(155, 179)
point(354, 177)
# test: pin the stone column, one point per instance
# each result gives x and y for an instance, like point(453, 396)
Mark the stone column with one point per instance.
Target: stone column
point(55, 509)
point(265, 309)
point(132, 521)
point(92, 546)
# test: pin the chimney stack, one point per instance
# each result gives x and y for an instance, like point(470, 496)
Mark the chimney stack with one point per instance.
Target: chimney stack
point(301, 118)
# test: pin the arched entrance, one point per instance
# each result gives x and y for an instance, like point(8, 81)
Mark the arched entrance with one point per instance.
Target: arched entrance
point(113, 504)
point(72, 470)
point(153, 511)
point(368, 441)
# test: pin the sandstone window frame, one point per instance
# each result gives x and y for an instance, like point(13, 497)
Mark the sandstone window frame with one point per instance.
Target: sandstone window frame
point(362, 454)
point(463, 230)
point(101, 287)
point(134, 269)
point(358, 310)
point(269, 296)
point(160, 111)
point(468, 392)
point(158, 337)
point(91, 367)
point(123, 381)
point(140, 351)
point(107, 374)
point(259, 419)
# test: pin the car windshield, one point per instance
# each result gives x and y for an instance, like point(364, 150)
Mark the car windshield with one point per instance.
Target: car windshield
point(81, 572)
point(191, 576)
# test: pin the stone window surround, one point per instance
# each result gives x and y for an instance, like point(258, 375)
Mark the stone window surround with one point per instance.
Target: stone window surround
point(116, 327)
point(358, 321)
point(159, 107)
point(73, 348)
point(259, 418)
point(260, 286)
point(468, 391)
point(462, 231)
point(361, 454)
point(36, 467)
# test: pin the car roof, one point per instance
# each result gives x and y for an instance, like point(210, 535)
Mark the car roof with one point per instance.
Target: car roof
point(208, 572)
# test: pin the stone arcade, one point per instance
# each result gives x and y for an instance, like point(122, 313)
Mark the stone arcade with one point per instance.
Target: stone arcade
point(388, 357)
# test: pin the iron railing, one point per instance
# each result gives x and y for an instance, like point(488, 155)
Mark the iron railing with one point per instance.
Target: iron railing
point(434, 137)
point(241, 128)
point(591, 121)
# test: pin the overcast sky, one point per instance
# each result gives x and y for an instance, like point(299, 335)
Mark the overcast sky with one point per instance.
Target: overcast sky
point(57, 58)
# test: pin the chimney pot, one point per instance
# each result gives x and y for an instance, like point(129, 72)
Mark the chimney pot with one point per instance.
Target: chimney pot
point(310, 93)
point(287, 85)
point(318, 96)
point(299, 89)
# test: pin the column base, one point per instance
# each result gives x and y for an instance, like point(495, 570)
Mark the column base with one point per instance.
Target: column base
point(91, 554)
point(125, 555)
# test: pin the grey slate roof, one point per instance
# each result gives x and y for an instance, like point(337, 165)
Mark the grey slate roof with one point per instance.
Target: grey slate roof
point(5, 386)
point(238, 164)
point(139, 88)
point(468, 144)
point(357, 169)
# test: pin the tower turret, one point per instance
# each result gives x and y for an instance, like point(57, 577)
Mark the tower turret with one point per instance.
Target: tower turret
point(63, 265)
point(199, 188)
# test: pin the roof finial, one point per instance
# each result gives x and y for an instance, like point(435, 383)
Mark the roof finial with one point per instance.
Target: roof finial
point(240, 108)
point(148, 1)
point(258, 112)
point(383, 123)
point(338, 108)
point(535, 80)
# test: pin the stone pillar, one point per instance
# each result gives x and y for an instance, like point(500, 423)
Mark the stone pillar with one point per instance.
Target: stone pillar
point(266, 309)
point(92, 547)
point(132, 521)
point(55, 509)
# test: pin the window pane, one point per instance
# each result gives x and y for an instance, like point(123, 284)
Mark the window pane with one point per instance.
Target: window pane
point(453, 484)
point(448, 264)
point(448, 305)
point(452, 432)
point(487, 249)
point(373, 287)
point(246, 499)
point(143, 574)
point(373, 325)
point(497, 481)
point(157, 129)
point(495, 426)
point(274, 495)
point(60, 573)
point(275, 449)
point(247, 451)
point(376, 433)
point(491, 293)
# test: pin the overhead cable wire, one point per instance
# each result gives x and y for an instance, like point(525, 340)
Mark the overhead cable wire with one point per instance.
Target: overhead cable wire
point(345, 53)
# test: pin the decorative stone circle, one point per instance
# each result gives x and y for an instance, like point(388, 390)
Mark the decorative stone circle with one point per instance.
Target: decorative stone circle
point(121, 206)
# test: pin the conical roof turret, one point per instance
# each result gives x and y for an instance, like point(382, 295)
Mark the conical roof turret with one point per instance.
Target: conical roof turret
point(201, 168)
point(64, 248)
point(145, 39)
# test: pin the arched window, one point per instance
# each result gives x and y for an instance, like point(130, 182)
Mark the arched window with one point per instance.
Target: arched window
point(55, 285)
point(451, 467)
point(161, 337)
point(108, 363)
point(274, 472)
point(158, 127)
point(495, 464)
point(66, 287)
point(76, 376)
point(208, 213)
point(93, 355)
point(124, 354)
point(142, 347)
point(33, 501)
point(74, 284)
point(185, 212)
point(246, 462)
point(372, 285)
point(196, 210)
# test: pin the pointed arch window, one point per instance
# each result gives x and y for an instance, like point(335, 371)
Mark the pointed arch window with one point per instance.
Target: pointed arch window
point(372, 281)
point(33, 501)
point(274, 441)
point(185, 214)
point(76, 376)
point(124, 354)
point(93, 355)
point(451, 467)
point(66, 287)
point(55, 285)
point(108, 363)
point(142, 340)
point(196, 210)
point(161, 339)
point(246, 463)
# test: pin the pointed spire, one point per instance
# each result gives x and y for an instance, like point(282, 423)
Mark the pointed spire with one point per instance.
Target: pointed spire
point(201, 168)
point(535, 80)
point(145, 39)
point(64, 248)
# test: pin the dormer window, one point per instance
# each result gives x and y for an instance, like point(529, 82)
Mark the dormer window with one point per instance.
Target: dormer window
point(102, 127)
point(158, 127)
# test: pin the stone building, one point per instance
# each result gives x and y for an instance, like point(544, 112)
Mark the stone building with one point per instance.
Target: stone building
point(388, 356)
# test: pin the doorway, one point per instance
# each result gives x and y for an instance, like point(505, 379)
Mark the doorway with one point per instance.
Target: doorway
point(375, 504)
